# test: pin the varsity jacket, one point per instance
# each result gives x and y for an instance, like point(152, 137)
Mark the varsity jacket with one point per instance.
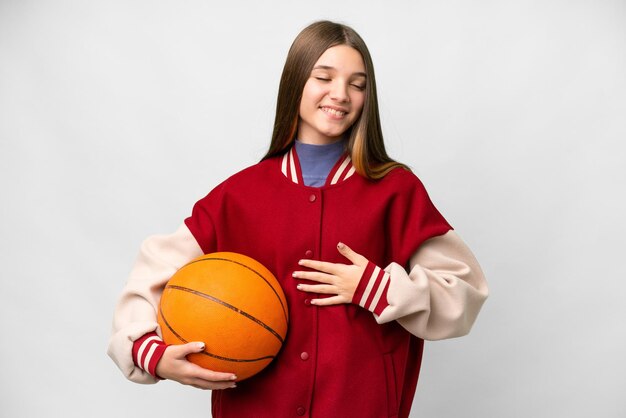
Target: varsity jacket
point(350, 360)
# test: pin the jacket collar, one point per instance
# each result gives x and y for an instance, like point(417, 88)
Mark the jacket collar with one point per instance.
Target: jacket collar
point(341, 171)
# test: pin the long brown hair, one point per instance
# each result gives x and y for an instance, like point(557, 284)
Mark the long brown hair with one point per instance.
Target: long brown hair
point(365, 143)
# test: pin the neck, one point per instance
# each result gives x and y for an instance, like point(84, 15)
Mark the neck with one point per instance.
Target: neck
point(319, 141)
point(320, 146)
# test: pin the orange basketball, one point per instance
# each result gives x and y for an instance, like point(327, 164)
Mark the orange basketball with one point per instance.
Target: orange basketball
point(233, 304)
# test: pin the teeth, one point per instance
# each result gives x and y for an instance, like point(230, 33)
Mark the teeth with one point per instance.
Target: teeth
point(333, 111)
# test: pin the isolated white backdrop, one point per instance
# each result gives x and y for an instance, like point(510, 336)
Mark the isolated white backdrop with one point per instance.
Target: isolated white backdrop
point(116, 116)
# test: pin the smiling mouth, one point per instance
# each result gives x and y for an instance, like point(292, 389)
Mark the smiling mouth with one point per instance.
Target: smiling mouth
point(333, 111)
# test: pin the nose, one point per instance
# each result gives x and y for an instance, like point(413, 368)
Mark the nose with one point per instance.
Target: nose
point(339, 91)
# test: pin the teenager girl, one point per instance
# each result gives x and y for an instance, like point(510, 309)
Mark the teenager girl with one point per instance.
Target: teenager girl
point(369, 267)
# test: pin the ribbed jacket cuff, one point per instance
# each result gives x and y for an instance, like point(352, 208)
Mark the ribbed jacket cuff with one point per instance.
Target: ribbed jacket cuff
point(371, 293)
point(147, 351)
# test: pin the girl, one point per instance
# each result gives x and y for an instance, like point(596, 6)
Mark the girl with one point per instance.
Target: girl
point(324, 210)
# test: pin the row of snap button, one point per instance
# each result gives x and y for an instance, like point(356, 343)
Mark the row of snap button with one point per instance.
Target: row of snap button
point(301, 410)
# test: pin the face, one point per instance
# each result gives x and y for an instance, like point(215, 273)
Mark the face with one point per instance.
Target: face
point(333, 96)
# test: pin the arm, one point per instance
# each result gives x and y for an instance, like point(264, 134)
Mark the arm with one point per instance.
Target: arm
point(439, 298)
point(135, 314)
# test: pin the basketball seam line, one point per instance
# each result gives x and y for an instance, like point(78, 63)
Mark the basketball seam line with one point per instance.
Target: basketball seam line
point(229, 306)
point(206, 353)
point(249, 268)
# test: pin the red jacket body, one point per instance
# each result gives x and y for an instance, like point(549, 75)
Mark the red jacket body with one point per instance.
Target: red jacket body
point(337, 361)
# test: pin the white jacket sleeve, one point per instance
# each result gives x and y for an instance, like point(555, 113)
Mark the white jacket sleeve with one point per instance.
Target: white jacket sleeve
point(439, 298)
point(135, 314)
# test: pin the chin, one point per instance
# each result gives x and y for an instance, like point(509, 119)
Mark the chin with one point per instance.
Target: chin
point(333, 137)
point(334, 134)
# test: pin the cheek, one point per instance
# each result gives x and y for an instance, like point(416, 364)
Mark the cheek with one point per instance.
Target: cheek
point(305, 103)
point(358, 103)
point(310, 95)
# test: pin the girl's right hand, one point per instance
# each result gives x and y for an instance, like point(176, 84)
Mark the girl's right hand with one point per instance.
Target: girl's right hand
point(174, 365)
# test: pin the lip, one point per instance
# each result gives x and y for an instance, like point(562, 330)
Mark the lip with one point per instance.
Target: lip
point(337, 108)
point(333, 116)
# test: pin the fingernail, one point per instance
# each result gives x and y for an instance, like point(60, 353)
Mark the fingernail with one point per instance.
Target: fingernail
point(294, 274)
point(340, 246)
point(300, 262)
point(299, 286)
point(201, 346)
point(234, 385)
point(233, 377)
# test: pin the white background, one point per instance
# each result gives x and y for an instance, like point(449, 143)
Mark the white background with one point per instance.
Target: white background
point(116, 116)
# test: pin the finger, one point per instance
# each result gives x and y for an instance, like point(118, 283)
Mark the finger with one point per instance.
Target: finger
point(322, 266)
point(201, 372)
point(318, 288)
point(351, 255)
point(206, 384)
point(182, 350)
point(334, 300)
point(315, 276)
point(213, 376)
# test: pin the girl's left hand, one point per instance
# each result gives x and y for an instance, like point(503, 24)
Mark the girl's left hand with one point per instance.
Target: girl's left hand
point(336, 279)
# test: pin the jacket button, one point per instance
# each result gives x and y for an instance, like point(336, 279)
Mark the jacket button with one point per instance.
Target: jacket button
point(312, 198)
point(308, 253)
point(304, 355)
point(307, 302)
point(300, 410)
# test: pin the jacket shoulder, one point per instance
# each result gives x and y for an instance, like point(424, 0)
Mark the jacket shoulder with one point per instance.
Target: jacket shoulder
point(254, 172)
point(402, 179)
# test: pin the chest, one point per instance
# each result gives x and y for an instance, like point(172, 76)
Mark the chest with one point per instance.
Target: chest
point(281, 224)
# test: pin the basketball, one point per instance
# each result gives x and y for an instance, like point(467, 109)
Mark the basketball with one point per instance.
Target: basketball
point(234, 305)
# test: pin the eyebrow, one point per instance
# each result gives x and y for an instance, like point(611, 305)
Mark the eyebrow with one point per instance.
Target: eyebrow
point(328, 67)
